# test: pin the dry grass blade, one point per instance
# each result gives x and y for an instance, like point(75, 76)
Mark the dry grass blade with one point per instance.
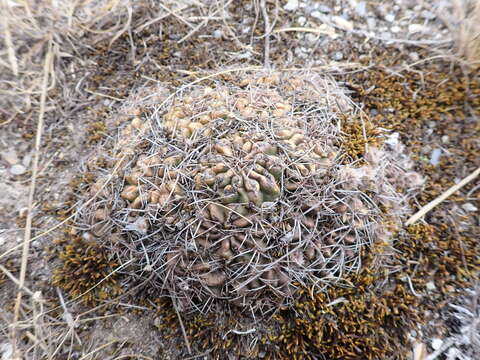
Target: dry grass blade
point(8, 38)
point(464, 23)
point(267, 30)
point(28, 227)
point(15, 280)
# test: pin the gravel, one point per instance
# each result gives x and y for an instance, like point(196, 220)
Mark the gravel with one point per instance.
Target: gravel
point(17, 169)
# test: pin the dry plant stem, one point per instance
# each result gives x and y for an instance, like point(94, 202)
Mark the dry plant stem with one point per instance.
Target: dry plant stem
point(28, 227)
point(86, 356)
point(128, 356)
point(419, 351)
point(15, 280)
point(302, 29)
point(8, 40)
point(266, 59)
point(187, 343)
point(432, 204)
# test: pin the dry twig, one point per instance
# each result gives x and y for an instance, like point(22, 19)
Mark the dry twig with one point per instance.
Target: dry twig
point(435, 202)
point(28, 227)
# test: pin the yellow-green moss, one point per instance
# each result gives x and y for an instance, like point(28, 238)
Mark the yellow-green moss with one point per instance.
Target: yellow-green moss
point(85, 272)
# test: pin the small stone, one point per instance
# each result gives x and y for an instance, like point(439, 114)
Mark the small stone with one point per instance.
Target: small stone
point(445, 139)
point(316, 14)
point(325, 9)
point(6, 351)
point(435, 156)
point(454, 353)
point(430, 285)
point(17, 169)
point(342, 23)
point(428, 15)
point(416, 28)
point(217, 34)
point(469, 207)
point(291, 5)
point(338, 56)
point(395, 29)
point(26, 160)
point(302, 20)
point(311, 38)
point(10, 157)
point(386, 35)
point(361, 9)
point(414, 56)
point(436, 343)
point(371, 23)
point(393, 139)
point(390, 17)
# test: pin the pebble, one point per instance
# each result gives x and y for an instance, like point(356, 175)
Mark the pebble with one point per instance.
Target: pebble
point(325, 9)
point(342, 23)
point(311, 38)
point(338, 56)
point(395, 29)
point(445, 139)
point(302, 20)
point(416, 28)
point(436, 343)
point(361, 9)
point(291, 5)
point(26, 160)
point(428, 15)
point(435, 156)
point(414, 56)
point(393, 139)
point(386, 35)
point(6, 351)
point(371, 23)
point(469, 207)
point(430, 285)
point(10, 157)
point(17, 169)
point(453, 353)
point(390, 17)
point(217, 34)
point(316, 14)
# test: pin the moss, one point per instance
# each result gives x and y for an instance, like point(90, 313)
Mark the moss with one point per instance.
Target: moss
point(85, 271)
point(96, 131)
point(359, 133)
point(362, 321)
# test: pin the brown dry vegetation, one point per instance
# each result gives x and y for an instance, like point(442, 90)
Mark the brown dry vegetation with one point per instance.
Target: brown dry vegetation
point(66, 66)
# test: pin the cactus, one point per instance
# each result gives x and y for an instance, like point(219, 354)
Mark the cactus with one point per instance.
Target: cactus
point(242, 192)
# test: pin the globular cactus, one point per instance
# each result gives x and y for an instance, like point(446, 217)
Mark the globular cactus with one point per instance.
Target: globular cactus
point(239, 193)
